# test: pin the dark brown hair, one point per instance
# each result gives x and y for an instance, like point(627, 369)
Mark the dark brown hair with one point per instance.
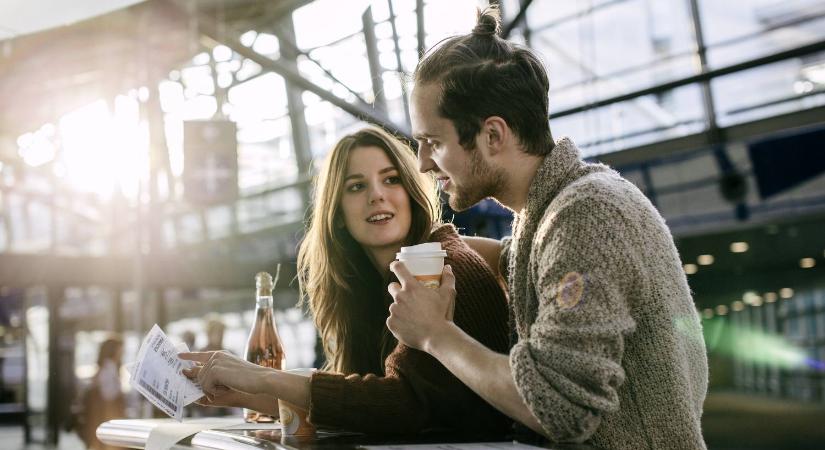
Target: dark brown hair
point(482, 75)
point(109, 349)
point(346, 294)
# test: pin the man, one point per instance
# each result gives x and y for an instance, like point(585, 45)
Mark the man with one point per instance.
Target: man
point(609, 347)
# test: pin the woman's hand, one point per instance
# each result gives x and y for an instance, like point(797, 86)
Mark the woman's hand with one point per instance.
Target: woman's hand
point(223, 376)
point(227, 398)
point(262, 403)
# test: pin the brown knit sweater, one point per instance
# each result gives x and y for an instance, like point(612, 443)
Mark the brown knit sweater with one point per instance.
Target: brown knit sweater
point(417, 392)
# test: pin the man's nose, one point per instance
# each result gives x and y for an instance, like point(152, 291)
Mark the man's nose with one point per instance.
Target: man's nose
point(425, 162)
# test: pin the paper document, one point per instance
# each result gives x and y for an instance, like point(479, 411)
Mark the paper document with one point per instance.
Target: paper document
point(157, 375)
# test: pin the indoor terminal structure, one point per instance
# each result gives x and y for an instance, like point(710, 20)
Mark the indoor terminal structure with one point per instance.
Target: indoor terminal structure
point(155, 155)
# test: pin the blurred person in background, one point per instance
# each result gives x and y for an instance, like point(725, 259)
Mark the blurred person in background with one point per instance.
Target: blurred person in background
point(188, 338)
point(103, 399)
point(215, 329)
point(369, 202)
point(214, 333)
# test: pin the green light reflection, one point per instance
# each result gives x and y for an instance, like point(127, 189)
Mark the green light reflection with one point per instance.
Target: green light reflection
point(751, 345)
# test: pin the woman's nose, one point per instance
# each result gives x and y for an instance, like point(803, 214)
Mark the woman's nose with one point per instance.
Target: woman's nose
point(376, 194)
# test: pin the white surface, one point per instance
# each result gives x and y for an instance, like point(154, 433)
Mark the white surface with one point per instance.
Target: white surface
point(164, 433)
point(19, 17)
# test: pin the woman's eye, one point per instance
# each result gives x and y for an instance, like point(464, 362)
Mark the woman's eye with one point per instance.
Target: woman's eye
point(393, 180)
point(355, 187)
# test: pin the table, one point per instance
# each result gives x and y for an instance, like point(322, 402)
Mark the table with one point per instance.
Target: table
point(135, 432)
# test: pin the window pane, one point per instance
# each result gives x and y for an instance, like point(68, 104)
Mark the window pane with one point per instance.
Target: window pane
point(769, 90)
point(737, 31)
point(619, 48)
point(635, 122)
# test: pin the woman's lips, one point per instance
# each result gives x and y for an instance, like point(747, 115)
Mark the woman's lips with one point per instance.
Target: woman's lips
point(380, 218)
point(381, 222)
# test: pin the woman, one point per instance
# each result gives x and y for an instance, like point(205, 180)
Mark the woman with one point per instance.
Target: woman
point(103, 399)
point(369, 202)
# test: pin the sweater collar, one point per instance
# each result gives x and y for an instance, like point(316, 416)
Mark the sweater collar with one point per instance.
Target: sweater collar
point(553, 175)
point(443, 232)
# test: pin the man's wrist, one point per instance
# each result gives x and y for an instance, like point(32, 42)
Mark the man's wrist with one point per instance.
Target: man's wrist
point(440, 338)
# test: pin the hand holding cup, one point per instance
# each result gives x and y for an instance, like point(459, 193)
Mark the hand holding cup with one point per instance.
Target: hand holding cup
point(419, 313)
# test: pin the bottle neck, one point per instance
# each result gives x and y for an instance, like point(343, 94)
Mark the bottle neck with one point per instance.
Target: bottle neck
point(263, 298)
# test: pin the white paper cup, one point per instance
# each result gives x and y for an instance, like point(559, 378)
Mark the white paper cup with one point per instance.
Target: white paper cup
point(294, 419)
point(425, 262)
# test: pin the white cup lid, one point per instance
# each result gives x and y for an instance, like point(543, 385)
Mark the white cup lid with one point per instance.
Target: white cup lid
point(409, 256)
point(427, 247)
point(426, 250)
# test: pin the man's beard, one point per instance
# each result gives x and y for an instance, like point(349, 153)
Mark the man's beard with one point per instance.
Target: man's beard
point(483, 181)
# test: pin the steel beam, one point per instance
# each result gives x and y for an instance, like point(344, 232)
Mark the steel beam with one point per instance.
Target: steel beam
point(796, 120)
point(399, 65)
point(26, 270)
point(702, 51)
point(376, 71)
point(709, 75)
point(421, 34)
point(362, 111)
point(522, 12)
point(297, 119)
point(55, 296)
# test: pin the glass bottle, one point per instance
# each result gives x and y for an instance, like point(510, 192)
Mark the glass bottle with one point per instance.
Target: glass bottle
point(264, 346)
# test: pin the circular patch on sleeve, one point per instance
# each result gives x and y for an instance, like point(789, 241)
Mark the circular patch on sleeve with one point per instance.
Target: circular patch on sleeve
point(570, 290)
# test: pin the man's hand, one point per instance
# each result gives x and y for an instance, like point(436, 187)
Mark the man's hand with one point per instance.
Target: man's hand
point(219, 374)
point(422, 318)
point(419, 313)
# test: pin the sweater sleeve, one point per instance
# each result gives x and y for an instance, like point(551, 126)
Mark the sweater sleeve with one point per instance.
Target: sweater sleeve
point(504, 258)
point(373, 403)
point(569, 368)
point(417, 391)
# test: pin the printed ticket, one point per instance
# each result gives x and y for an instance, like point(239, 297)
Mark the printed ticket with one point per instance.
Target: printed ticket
point(157, 375)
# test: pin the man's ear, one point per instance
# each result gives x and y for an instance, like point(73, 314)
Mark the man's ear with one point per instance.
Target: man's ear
point(496, 132)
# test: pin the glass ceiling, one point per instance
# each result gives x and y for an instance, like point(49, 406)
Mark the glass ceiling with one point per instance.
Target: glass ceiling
point(605, 60)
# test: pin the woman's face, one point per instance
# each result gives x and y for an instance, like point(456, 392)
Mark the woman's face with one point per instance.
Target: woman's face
point(374, 203)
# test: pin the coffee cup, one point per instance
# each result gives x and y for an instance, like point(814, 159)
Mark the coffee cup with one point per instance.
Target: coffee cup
point(293, 418)
point(425, 262)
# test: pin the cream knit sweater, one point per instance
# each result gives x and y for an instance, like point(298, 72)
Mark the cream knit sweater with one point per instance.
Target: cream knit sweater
point(610, 349)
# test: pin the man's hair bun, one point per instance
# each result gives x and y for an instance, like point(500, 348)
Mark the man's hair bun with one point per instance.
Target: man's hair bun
point(488, 22)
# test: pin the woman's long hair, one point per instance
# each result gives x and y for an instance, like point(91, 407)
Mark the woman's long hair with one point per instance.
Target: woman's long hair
point(346, 294)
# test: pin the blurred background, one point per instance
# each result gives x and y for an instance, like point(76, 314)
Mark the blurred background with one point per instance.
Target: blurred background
point(155, 155)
